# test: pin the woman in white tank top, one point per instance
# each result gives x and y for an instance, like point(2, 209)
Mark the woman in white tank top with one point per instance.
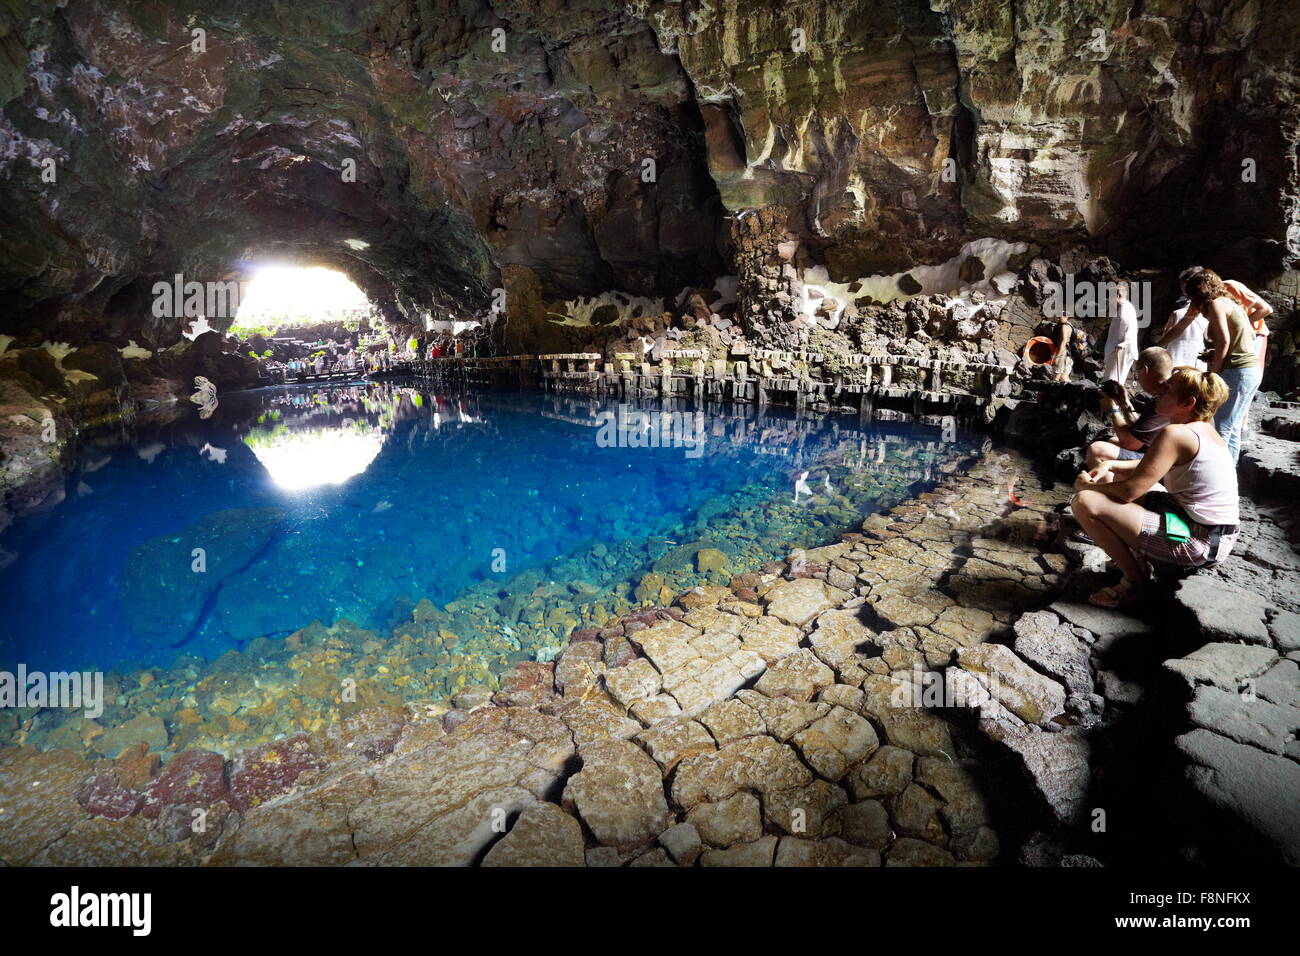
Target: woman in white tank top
point(1185, 345)
point(1197, 522)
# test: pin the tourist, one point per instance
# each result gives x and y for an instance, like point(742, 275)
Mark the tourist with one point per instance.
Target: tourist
point(1063, 338)
point(1257, 311)
point(1133, 437)
point(1232, 352)
point(1184, 332)
point(1071, 345)
point(1121, 340)
point(1196, 522)
point(1256, 308)
point(1184, 336)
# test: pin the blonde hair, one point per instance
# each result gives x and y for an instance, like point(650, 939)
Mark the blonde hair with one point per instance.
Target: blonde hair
point(1205, 388)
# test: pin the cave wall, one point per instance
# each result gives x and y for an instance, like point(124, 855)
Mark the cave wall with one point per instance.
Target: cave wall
point(875, 134)
point(466, 159)
point(1158, 133)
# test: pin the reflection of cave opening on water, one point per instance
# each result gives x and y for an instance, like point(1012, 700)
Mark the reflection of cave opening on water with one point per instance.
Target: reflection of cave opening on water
point(297, 460)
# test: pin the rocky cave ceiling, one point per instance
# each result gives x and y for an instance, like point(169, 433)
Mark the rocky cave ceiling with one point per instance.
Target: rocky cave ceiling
point(1120, 124)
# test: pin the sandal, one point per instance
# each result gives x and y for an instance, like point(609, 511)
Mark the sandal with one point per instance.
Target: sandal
point(1123, 594)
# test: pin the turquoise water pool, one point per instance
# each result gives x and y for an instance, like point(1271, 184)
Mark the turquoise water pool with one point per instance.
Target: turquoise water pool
point(296, 504)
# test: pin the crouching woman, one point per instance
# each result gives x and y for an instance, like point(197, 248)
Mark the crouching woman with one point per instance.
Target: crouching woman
point(1196, 522)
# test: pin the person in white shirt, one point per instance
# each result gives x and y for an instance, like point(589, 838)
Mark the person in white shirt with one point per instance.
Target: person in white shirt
point(1122, 339)
point(1185, 342)
point(1257, 311)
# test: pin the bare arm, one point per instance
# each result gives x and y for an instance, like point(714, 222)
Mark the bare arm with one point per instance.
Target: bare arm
point(1218, 333)
point(1124, 438)
point(1163, 454)
point(1110, 467)
point(1123, 467)
point(1256, 308)
point(1174, 329)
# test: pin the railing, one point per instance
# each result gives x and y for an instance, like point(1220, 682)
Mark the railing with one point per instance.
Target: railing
point(759, 376)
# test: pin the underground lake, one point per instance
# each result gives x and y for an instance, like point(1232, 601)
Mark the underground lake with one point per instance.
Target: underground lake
point(448, 536)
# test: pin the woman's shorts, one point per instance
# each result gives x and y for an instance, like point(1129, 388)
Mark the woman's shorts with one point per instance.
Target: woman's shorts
point(1193, 552)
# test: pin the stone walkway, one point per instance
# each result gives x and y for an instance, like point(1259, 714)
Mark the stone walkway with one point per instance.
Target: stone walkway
point(848, 707)
point(1242, 685)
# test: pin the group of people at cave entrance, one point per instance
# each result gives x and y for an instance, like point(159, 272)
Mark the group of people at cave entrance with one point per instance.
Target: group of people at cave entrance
point(1163, 488)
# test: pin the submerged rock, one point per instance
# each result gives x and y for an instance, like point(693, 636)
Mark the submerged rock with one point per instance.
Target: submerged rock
point(263, 772)
point(169, 579)
point(193, 778)
point(147, 729)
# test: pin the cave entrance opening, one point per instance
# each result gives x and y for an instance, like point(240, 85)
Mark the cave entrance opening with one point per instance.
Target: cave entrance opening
point(306, 305)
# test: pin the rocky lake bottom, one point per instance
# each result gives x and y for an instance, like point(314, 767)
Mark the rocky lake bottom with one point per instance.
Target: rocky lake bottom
point(326, 593)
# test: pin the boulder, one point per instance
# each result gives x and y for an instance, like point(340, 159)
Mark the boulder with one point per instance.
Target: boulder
point(888, 772)
point(1246, 718)
point(1255, 787)
point(805, 811)
point(1222, 613)
point(799, 601)
point(737, 819)
point(1224, 665)
point(148, 729)
point(834, 743)
point(799, 676)
point(1029, 695)
point(543, 835)
point(754, 763)
point(758, 853)
point(796, 851)
point(1058, 768)
point(618, 794)
point(192, 779)
point(1053, 648)
point(168, 579)
point(683, 843)
point(908, 851)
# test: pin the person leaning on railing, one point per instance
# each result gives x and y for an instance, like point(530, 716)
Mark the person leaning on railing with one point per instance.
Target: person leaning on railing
point(1196, 522)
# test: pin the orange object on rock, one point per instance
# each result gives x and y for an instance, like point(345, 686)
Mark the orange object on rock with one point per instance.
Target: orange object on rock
point(1040, 350)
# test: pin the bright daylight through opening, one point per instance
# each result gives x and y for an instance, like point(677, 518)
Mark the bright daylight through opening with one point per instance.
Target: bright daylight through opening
point(284, 295)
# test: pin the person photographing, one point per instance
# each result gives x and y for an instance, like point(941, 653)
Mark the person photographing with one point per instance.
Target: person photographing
point(1135, 423)
point(1195, 523)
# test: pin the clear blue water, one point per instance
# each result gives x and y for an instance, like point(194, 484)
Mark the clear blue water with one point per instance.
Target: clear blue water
point(383, 495)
